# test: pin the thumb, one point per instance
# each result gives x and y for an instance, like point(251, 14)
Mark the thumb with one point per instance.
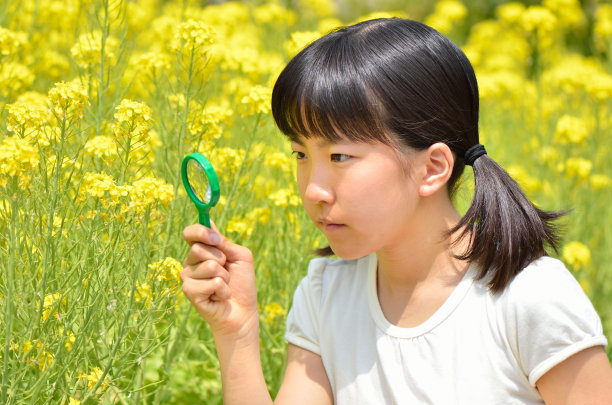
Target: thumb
point(233, 252)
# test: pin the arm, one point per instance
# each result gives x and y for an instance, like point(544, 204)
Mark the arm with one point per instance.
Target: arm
point(219, 280)
point(305, 377)
point(584, 378)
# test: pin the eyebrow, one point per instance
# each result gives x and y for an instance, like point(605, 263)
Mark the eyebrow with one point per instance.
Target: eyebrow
point(321, 143)
point(296, 140)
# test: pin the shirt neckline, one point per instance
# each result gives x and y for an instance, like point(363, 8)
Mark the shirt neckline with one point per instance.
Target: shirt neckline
point(436, 319)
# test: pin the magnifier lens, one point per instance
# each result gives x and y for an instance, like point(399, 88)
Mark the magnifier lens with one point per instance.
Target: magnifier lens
point(198, 181)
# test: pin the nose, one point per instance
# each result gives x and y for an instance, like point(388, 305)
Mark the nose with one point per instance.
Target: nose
point(318, 188)
point(318, 194)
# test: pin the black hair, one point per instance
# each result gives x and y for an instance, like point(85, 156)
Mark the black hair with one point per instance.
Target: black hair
point(403, 83)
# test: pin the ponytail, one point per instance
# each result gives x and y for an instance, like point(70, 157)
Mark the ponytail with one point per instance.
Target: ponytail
point(505, 230)
point(402, 83)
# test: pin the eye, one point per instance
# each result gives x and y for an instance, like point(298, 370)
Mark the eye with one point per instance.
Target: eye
point(298, 155)
point(339, 157)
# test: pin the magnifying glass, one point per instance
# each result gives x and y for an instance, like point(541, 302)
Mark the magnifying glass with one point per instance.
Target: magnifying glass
point(201, 183)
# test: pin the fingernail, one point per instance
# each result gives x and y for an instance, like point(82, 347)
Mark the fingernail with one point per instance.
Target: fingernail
point(215, 238)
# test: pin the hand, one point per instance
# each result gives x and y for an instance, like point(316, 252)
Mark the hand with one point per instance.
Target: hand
point(219, 280)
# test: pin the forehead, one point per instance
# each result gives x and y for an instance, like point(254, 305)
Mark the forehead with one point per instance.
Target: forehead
point(322, 142)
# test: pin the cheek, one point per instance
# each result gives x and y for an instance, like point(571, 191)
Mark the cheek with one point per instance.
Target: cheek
point(381, 189)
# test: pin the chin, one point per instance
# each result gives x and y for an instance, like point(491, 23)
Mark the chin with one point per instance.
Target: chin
point(349, 252)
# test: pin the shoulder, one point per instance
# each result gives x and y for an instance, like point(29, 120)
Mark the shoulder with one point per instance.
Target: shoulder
point(544, 278)
point(548, 317)
point(546, 288)
point(324, 273)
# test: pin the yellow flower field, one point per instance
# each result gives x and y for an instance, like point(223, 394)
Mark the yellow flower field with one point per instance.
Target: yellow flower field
point(101, 99)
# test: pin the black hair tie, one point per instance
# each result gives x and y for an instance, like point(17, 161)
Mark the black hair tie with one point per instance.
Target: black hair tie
point(473, 153)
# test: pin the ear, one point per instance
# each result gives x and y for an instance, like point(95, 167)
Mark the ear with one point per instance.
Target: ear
point(437, 168)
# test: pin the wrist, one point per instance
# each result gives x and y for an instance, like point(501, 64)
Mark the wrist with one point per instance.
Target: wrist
point(244, 335)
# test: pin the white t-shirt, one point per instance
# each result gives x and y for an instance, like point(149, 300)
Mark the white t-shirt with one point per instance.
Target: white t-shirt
point(477, 348)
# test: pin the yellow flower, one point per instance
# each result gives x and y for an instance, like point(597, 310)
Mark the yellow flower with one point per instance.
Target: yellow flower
point(446, 14)
point(579, 167)
point(193, 36)
point(261, 215)
point(320, 8)
point(379, 14)
point(510, 13)
point(571, 130)
point(541, 21)
point(73, 401)
point(150, 63)
point(44, 358)
point(70, 339)
point(53, 65)
point(524, 179)
point(14, 79)
point(208, 121)
point(284, 198)
point(568, 12)
point(143, 293)
point(99, 185)
point(239, 226)
point(273, 13)
point(93, 377)
point(133, 121)
point(101, 146)
point(279, 160)
point(227, 161)
point(299, 40)
point(24, 117)
point(600, 181)
point(258, 100)
point(272, 311)
point(150, 190)
point(52, 304)
point(576, 254)
point(27, 346)
point(88, 50)
point(17, 158)
point(68, 100)
point(599, 86)
point(602, 28)
point(168, 269)
point(11, 41)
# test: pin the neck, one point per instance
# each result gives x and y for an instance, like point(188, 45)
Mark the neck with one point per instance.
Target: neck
point(422, 257)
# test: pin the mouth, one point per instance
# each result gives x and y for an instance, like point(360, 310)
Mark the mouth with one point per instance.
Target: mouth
point(329, 225)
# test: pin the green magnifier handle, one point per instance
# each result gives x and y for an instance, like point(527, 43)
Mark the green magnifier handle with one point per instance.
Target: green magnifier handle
point(204, 218)
point(201, 184)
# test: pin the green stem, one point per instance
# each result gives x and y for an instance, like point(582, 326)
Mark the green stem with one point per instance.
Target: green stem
point(230, 195)
point(105, 29)
point(8, 299)
point(170, 352)
point(55, 192)
point(181, 149)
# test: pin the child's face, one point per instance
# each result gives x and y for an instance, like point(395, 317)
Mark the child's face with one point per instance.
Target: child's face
point(359, 195)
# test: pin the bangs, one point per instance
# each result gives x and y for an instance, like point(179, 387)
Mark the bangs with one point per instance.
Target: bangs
point(323, 92)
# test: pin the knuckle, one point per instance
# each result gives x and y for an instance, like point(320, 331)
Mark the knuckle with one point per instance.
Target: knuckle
point(218, 282)
point(187, 289)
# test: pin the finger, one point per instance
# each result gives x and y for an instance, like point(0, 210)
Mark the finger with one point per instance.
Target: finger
point(200, 252)
point(204, 270)
point(232, 251)
point(198, 291)
point(199, 233)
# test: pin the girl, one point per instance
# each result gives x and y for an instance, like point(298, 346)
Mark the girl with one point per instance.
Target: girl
point(424, 306)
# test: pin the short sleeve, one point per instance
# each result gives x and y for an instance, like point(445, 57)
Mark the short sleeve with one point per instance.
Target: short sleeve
point(549, 317)
point(303, 318)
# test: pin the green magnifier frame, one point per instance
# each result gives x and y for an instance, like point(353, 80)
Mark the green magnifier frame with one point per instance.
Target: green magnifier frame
point(201, 184)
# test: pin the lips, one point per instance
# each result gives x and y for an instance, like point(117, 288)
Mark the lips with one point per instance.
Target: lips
point(330, 225)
